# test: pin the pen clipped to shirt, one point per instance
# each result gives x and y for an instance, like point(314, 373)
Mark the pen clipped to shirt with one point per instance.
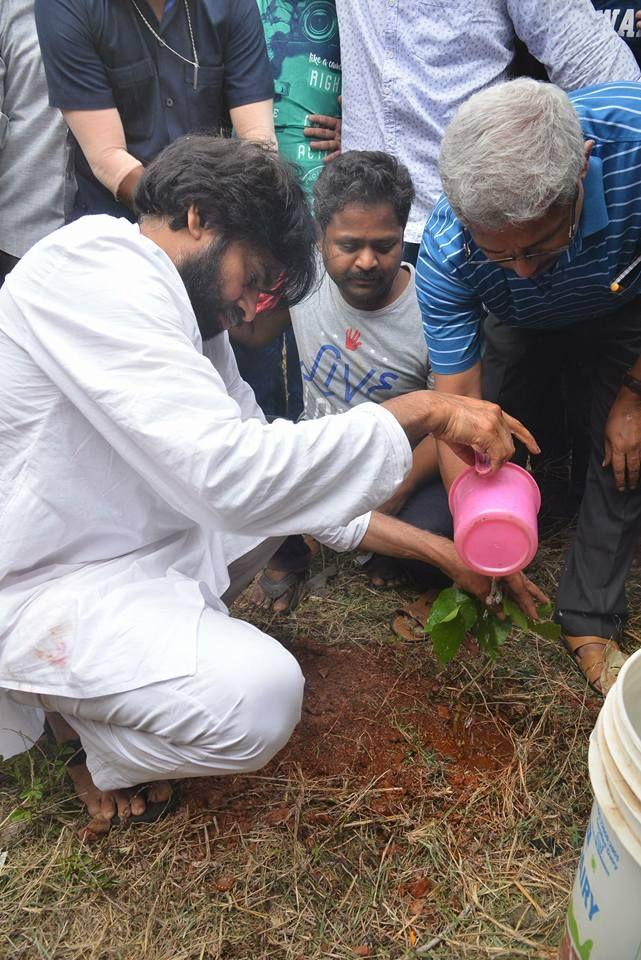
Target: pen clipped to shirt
point(615, 286)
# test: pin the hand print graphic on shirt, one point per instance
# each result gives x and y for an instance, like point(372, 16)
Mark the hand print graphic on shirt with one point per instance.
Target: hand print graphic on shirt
point(350, 356)
point(353, 339)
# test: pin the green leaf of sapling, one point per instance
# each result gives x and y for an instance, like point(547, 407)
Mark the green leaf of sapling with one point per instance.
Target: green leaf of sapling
point(545, 628)
point(502, 629)
point(545, 610)
point(512, 610)
point(447, 637)
point(445, 603)
point(471, 610)
point(450, 602)
point(450, 616)
point(486, 638)
point(492, 633)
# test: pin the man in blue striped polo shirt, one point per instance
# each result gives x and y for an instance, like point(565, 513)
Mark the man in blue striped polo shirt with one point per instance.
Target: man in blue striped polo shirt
point(540, 217)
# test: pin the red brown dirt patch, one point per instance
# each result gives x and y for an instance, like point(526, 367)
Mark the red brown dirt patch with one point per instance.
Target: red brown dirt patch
point(369, 718)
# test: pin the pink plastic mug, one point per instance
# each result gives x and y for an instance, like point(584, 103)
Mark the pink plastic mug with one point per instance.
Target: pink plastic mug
point(495, 527)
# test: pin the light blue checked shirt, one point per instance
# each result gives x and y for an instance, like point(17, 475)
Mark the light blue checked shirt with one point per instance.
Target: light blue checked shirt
point(409, 64)
point(455, 294)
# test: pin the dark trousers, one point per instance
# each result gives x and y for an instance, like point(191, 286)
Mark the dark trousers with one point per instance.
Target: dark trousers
point(7, 263)
point(426, 508)
point(263, 369)
point(546, 376)
point(521, 368)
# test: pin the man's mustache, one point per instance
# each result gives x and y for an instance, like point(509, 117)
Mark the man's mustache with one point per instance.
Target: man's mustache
point(232, 315)
point(370, 276)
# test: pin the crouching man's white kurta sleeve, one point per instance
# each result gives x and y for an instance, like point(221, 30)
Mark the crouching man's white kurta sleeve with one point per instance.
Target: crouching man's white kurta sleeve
point(133, 469)
point(122, 345)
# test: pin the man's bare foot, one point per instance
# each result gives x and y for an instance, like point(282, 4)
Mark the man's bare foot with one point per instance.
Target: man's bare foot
point(106, 804)
point(385, 572)
point(278, 590)
point(393, 582)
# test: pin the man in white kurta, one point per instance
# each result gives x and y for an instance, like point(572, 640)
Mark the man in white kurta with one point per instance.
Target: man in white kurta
point(140, 488)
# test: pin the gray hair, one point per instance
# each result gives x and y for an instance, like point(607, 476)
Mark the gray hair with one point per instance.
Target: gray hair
point(510, 153)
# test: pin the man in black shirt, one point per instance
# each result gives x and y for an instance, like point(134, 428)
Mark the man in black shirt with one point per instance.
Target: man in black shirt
point(133, 76)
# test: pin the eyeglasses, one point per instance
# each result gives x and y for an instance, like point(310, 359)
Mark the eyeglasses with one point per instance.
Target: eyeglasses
point(536, 255)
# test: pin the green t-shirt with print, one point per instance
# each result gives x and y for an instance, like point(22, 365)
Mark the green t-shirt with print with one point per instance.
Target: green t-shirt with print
point(304, 51)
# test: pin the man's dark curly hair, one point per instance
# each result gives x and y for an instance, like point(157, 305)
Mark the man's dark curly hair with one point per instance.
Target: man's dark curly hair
point(366, 177)
point(245, 192)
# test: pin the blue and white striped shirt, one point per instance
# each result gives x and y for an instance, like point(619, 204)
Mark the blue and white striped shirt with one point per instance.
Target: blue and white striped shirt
point(455, 295)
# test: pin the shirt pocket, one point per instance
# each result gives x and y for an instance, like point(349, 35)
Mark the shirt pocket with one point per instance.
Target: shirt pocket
point(207, 102)
point(133, 88)
point(447, 33)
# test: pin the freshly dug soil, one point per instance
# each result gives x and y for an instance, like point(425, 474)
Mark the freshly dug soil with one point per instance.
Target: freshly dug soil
point(367, 719)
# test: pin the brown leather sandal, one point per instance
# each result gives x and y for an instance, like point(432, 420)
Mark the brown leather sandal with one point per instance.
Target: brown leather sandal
point(409, 622)
point(596, 666)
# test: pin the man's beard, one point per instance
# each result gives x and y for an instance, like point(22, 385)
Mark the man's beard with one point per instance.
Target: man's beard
point(201, 275)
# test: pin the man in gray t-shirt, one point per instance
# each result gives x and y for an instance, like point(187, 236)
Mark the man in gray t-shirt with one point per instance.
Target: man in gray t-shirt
point(360, 339)
point(351, 354)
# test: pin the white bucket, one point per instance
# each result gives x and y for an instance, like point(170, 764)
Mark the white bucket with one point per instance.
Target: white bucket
point(604, 917)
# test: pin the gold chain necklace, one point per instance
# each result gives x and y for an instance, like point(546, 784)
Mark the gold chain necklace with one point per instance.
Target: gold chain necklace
point(163, 43)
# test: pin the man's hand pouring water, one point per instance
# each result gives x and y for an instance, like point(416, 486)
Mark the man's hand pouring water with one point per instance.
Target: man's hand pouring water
point(467, 425)
point(476, 431)
point(491, 592)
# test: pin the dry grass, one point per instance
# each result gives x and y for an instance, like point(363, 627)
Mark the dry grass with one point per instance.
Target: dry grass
point(351, 868)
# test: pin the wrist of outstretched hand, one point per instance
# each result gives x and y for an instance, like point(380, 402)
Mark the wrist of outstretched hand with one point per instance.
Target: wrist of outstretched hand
point(419, 413)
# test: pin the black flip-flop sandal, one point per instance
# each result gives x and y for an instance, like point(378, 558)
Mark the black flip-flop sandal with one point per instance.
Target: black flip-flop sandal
point(152, 813)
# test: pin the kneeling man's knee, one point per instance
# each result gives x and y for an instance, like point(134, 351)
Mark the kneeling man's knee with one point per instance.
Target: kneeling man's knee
point(272, 709)
point(263, 700)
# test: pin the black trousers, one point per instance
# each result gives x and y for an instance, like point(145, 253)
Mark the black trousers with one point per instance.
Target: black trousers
point(426, 508)
point(522, 369)
point(7, 263)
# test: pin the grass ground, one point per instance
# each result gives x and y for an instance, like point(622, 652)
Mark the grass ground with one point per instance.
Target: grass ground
point(417, 813)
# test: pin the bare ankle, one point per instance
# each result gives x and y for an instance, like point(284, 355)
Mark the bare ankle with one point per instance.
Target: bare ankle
point(62, 730)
